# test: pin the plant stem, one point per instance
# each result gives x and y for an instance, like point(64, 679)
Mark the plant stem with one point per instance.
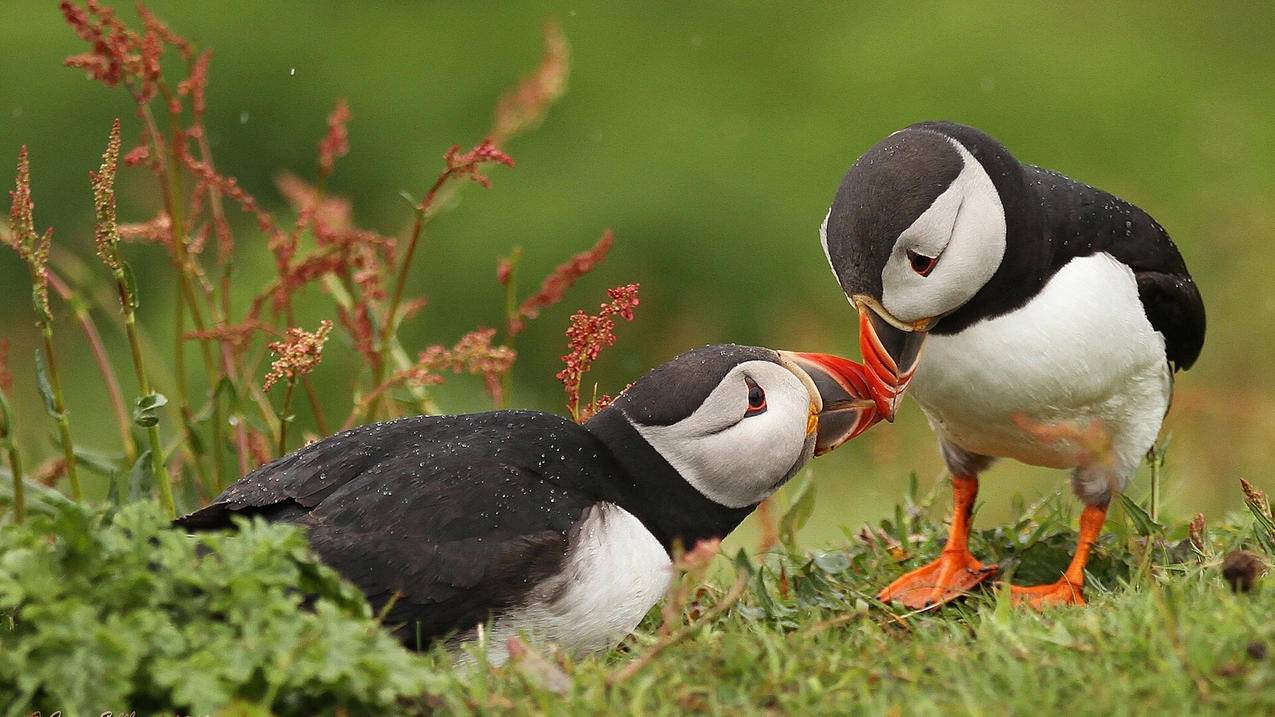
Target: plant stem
point(241, 430)
point(158, 465)
point(283, 416)
point(391, 315)
point(186, 298)
point(59, 407)
point(15, 463)
point(103, 362)
point(1157, 462)
point(19, 490)
point(315, 407)
point(511, 315)
point(396, 298)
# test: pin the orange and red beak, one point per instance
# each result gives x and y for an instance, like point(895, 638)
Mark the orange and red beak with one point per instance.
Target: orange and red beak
point(890, 354)
point(848, 407)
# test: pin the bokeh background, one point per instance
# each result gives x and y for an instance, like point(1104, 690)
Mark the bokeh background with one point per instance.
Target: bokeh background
point(711, 138)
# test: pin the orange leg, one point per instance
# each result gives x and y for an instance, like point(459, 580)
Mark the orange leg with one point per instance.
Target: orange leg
point(956, 571)
point(1068, 589)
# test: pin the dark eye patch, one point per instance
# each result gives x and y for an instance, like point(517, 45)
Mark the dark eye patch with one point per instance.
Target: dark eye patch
point(756, 398)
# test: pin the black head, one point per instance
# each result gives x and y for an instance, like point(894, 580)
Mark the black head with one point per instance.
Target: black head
point(736, 422)
point(930, 223)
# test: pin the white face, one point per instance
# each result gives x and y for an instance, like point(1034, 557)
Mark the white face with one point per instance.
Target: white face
point(730, 452)
point(963, 231)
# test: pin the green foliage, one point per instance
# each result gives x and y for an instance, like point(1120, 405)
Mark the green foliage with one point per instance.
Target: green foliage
point(119, 612)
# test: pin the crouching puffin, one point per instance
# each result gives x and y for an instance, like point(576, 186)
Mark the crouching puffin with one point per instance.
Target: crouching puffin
point(1056, 316)
point(525, 521)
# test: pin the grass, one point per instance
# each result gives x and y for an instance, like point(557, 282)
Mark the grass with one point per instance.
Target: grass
point(798, 631)
point(1163, 633)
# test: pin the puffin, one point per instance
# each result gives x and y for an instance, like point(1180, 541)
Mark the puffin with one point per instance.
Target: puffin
point(524, 522)
point(1031, 316)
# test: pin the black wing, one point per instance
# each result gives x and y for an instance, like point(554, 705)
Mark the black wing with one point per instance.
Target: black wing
point(454, 518)
point(1081, 220)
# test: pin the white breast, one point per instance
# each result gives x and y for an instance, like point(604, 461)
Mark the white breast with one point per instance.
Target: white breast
point(1081, 351)
point(614, 573)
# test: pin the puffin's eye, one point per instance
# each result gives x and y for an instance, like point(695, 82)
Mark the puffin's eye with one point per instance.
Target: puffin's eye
point(756, 398)
point(921, 263)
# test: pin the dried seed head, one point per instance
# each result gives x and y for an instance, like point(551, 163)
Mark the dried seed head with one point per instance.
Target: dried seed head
point(466, 164)
point(1255, 497)
point(592, 408)
point(159, 28)
point(40, 274)
point(1242, 569)
point(526, 104)
point(33, 248)
point(1196, 532)
point(195, 85)
point(504, 270)
point(156, 231)
point(22, 210)
point(298, 354)
point(106, 230)
point(588, 335)
point(234, 336)
point(555, 286)
point(336, 143)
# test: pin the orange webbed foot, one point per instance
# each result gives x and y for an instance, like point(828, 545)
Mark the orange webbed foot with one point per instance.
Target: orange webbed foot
point(1063, 592)
point(953, 575)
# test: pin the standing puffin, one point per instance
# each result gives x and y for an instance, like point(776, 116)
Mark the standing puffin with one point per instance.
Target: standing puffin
point(528, 522)
point(1056, 315)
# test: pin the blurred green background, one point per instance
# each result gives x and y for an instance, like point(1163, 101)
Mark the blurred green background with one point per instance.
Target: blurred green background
point(711, 137)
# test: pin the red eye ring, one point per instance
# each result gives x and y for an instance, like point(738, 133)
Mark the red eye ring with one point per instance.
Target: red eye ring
point(921, 263)
point(756, 398)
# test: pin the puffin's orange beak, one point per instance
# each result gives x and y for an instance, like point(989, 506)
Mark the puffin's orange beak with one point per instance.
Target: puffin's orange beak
point(890, 354)
point(848, 407)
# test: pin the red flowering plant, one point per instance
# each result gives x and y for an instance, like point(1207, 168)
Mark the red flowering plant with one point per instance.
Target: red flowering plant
point(236, 369)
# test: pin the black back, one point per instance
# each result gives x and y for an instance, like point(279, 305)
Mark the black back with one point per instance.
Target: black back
point(459, 516)
point(1080, 220)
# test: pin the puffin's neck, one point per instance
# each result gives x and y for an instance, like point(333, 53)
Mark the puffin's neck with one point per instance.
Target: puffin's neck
point(655, 493)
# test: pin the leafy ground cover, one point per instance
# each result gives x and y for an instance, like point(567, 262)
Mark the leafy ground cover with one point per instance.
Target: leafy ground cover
point(1178, 621)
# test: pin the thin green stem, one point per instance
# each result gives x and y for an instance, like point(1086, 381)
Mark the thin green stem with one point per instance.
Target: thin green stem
point(284, 419)
point(112, 383)
point(15, 462)
point(391, 314)
point(59, 407)
point(158, 464)
point(186, 298)
point(511, 317)
point(1157, 463)
point(315, 407)
point(19, 490)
